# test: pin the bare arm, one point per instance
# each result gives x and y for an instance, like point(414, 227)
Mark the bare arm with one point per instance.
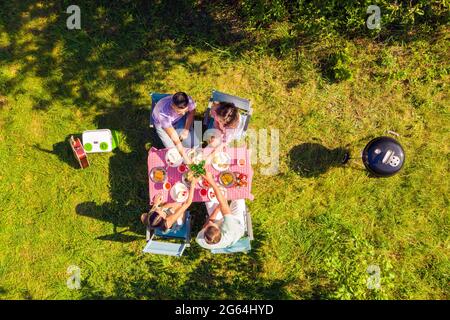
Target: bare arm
point(188, 201)
point(170, 220)
point(171, 205)
point(176, 140)
point(189, 120)
point(214, 213)
point(213, 216)
point(223, 203)
point(215, 142)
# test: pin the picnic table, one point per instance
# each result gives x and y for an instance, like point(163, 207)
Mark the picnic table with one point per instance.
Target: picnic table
point(156, 158)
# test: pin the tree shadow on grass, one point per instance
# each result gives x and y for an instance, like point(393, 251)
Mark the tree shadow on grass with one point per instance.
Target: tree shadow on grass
point(127, 173)
point(118, 43)
point(62, 151)
point(100, 69)
point(313, 159)
point(222, 276)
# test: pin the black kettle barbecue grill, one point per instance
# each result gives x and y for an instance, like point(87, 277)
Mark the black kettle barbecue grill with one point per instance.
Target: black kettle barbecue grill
point(382, 156)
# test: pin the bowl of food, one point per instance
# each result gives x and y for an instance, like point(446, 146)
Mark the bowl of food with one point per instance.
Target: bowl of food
point(158, 174)
point(227, 179)
point(241, 179)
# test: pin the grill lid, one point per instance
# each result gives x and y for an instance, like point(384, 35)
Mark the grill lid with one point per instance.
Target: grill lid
point(383, 156)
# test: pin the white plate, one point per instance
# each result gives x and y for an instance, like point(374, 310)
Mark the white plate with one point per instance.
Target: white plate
point(173, 157)
point(224, 158)
point(182, 188)
point(212, 195)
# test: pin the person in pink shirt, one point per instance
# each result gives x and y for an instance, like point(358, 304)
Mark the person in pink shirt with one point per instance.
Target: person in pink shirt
point(226, 124)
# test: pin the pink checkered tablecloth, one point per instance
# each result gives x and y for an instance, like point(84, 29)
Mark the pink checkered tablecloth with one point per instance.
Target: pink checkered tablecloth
point(156, 158)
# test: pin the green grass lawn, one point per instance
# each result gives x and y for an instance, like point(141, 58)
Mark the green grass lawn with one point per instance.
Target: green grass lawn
point(317, 225)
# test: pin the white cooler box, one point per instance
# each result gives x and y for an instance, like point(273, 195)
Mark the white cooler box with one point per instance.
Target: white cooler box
point(98, 141)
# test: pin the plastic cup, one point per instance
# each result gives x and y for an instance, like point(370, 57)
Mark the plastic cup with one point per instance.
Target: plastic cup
point(167, 185)
point(182, 168)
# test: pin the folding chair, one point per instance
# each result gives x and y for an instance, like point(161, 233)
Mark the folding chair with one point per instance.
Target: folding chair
point(155, 98)
point(169, 248)
point(243, 244)
point(244, 105)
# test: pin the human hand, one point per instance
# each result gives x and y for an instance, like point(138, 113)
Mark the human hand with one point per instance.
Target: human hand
point(209, 177)
point(194, 181)
point(184, 134)
point(213, 141)
point(186, 159)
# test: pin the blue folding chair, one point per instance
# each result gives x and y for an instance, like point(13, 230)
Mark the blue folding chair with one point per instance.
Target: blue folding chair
point(243, 244)
point(244, 106)
point(155, 98)
point(169, 248)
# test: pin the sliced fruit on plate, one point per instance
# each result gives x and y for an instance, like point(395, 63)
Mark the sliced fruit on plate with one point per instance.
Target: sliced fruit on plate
point(212, 195)
point(173, 157)
point(179, 192)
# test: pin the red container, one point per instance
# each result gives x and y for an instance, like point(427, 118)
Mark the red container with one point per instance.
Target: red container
point(182, 168)
point(167, 186)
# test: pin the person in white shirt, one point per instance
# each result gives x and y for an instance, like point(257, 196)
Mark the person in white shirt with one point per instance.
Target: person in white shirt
point(225, 225)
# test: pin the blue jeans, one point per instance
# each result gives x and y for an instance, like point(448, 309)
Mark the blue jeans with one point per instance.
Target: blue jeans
point(178, 126)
